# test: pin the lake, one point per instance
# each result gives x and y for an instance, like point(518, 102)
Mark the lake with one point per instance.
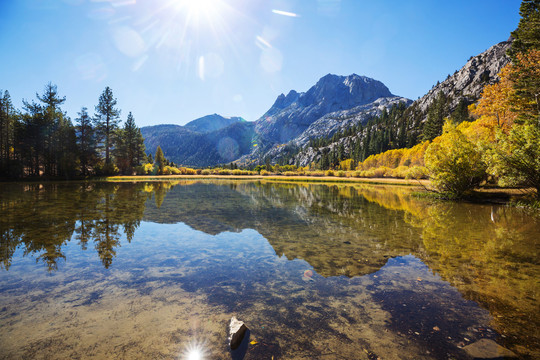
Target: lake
point(156, 270)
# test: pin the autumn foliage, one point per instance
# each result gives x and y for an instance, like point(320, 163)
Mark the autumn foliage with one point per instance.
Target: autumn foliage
point(494, 109)
point(502, 143)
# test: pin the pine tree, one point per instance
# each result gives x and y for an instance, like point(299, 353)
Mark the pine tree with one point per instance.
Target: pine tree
point(106, 120)
point(435, 120)
point(7, 133)
point(461, 113)
point(129, 146)
point(341, 152)
point(325, 162)
point(46, 137)
point(140, 148)
point(86, 141)
point(52, 120)
point(527, 34)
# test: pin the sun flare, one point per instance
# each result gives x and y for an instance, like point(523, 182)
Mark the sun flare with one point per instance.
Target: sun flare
point(194, 351)
point(200, 8)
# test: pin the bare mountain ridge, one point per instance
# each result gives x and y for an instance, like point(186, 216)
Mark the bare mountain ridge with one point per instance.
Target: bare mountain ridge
point(468, 82)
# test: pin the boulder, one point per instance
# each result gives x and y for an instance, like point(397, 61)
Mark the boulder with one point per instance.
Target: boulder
point(488, 349)
point(237, 330)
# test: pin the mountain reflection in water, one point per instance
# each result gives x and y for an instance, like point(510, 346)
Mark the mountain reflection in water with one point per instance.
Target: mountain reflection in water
point(352, 236)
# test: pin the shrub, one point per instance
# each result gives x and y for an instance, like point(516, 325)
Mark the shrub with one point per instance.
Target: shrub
point(237, 172)
point(169, 170)
point(341, 173)
point(517, 161)
point(369, 173)
point(329, 173)
point(417, 172)
point(264, 173)
point(149, 169)
point(455, 165)
point(139, 170)
point(348, 164)
point(205, 172)
point(106, 169)
point(380, 172)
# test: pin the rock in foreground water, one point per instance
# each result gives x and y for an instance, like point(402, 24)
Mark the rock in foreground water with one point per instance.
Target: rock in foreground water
point(237, 330)
point(488, 349)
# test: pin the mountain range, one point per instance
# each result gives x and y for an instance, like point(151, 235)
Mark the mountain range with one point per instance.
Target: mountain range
point(332, 105)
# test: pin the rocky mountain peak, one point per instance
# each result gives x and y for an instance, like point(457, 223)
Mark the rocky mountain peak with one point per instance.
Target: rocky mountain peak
point(292, 114)
point(282, 102)
point(351, 90)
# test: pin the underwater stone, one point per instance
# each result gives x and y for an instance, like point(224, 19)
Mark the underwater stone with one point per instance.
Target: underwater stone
point(488, 349)
point(237, 329)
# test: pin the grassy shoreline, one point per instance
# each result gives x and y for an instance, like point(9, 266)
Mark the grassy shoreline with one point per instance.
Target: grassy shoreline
point(481, 195)
point(300, 178)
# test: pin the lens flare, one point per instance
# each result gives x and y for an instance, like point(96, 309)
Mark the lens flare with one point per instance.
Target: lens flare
point(285, 13)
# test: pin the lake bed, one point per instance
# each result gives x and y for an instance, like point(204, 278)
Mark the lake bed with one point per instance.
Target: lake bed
point(157, 269)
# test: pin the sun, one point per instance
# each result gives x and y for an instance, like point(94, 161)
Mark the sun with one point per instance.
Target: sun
point(201, 5)
point(200, 9)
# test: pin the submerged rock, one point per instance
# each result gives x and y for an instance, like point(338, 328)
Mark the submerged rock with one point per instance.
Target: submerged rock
point(237, 330)
point(488, 349)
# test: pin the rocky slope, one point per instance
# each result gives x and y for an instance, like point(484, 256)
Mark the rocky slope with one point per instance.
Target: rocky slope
point(341, 120)
point(334, 103)
point(464, 86)
point(468, 82)
point(293, 114)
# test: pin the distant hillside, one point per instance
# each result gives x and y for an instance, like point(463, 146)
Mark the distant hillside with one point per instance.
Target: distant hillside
point(212, 122)
point(189, 148)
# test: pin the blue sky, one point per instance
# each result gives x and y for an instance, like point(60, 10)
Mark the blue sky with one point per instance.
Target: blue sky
point(171, 61)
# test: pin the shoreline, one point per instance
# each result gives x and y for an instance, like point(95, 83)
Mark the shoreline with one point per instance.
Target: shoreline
point(480, 195)
point(490, 194)
point(277, 178)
